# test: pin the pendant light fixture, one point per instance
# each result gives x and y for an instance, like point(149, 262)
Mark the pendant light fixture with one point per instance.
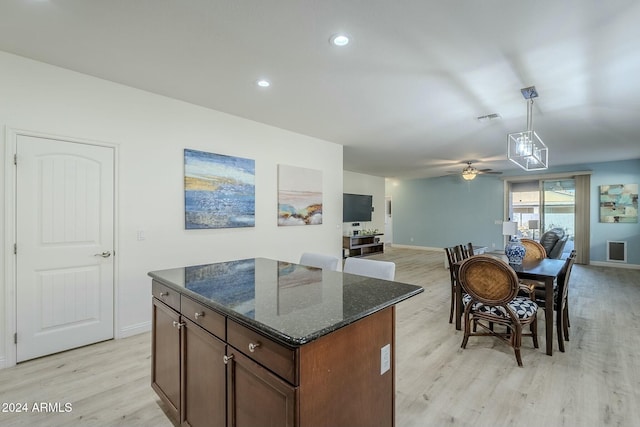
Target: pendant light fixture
point(525, 148)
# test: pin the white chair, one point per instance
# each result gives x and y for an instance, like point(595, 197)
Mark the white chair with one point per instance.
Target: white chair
point(325, 262)
point(370, 267)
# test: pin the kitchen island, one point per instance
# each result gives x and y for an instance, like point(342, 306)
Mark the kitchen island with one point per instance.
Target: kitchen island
point(260, 342)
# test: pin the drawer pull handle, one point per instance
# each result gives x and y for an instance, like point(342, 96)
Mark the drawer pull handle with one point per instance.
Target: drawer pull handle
point(252, 346)
point(226, 359)
point(177, 324)
point(199, 315)
point(164, 294)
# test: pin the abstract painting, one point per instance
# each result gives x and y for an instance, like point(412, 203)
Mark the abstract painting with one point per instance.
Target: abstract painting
point(219, 191)
point(299, 196)
point(619, 203)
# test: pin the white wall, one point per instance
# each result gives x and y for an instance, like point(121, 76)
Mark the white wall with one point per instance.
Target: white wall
point(151, 132)
point(358, 183)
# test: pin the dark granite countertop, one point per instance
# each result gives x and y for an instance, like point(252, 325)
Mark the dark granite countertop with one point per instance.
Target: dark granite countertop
point(290, 303)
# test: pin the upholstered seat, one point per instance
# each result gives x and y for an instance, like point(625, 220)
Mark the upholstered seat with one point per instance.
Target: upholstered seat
point(523, 307)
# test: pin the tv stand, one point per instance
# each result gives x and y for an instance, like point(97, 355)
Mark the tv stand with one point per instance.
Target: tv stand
point(362, 245)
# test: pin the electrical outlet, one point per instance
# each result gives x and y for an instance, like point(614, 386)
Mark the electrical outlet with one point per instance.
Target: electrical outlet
point(385, 358)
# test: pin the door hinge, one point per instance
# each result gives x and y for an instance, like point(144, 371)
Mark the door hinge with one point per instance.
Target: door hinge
point(15, 338)
point(15, 159)
point(15, 249)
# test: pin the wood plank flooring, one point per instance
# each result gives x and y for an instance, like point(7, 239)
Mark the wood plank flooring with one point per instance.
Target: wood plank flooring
point(596, 382)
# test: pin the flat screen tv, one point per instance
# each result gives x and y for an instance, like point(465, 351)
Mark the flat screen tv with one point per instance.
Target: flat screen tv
point(356, 207)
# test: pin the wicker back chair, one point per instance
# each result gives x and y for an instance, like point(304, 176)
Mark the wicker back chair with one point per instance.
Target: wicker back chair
point(535, 251)
point(491, 288)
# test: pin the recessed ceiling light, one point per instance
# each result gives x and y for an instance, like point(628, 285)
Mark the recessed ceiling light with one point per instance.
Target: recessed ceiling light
point(263, 83)
point(339, 40)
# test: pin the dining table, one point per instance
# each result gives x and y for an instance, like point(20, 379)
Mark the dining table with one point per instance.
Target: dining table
point(544, 271)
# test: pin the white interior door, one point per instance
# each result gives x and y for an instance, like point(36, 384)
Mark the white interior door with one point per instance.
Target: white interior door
point(65, 235)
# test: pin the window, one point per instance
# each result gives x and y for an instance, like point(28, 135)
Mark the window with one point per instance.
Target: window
point(541, 205)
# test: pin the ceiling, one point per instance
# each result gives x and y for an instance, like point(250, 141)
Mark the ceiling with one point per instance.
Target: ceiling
point(402, 97)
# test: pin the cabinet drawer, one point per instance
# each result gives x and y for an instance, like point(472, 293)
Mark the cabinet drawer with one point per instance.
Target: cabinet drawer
point(209, 319)
point(270, 354)
point(166, 295)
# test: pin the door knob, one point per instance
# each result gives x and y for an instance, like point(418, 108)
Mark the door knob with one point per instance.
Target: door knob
point(105, 254)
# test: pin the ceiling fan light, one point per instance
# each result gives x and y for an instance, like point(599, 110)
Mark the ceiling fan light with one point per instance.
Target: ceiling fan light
point(469, 174)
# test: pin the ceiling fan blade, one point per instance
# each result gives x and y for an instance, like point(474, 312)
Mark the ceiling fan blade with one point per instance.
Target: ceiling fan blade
point(489, 172)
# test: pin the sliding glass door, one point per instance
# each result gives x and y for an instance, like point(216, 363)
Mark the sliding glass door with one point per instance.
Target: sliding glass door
point(541, 205)
point(559, 206)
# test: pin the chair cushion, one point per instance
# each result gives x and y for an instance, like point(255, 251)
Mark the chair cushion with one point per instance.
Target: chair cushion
point(522, 306)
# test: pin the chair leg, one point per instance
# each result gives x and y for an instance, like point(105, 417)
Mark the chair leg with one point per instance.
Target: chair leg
point(453, 300)
point(559, 329)
point(534, 332)
point(467, 327)
point(565, 323)
point(516, 340)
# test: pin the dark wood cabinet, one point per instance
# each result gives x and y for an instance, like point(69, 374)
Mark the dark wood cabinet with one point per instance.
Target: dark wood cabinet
point(257, 397)
point(188, 370)
point(166, 354)
point(242, 377)
point(203, 378)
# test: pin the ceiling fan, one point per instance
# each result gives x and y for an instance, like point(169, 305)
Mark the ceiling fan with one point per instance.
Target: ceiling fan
point(469, 172)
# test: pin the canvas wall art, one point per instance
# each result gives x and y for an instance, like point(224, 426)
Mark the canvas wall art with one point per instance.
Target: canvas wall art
point(619, 203)
point(299, 196)
point(219, 191)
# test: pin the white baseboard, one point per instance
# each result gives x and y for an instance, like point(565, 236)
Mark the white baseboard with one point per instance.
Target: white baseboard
point(136, 329)
point(3, 363)
point(615, 265)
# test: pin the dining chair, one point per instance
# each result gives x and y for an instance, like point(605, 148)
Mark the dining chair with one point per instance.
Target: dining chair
point(370, 267)
point(467, 250)
point(491, 288)
point(456, 254)
point(452, 258)
point(326, 262)
point(560, 300)
point(534, 250)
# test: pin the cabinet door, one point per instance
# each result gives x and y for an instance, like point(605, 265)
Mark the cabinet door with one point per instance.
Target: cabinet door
point(256, 397)
point(203, 378)
point(165, 352)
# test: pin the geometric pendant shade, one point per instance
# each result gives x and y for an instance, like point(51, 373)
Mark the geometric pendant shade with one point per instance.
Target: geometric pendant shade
point(525, 148)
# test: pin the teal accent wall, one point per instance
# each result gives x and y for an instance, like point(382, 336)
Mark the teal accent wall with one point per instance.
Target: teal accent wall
point(627, 172)
point(444, 211)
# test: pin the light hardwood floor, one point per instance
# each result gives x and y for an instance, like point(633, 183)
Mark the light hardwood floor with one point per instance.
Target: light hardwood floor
point(596, 382)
